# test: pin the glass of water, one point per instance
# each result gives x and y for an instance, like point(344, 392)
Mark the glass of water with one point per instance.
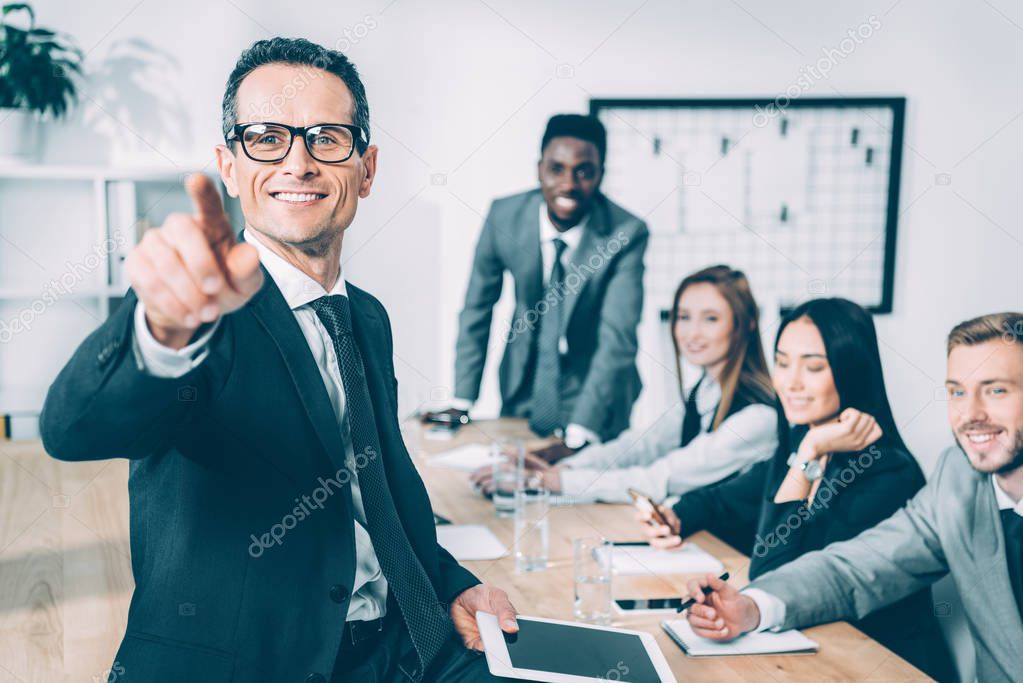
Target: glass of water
point(592, 564)
point(531, 532)
point(508, 473)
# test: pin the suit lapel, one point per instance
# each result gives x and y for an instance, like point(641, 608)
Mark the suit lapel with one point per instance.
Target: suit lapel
point(273, 313)
point(987, 543)
point(530, 258)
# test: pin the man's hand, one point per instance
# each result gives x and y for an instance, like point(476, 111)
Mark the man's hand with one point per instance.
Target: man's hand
point(481, 598)
point(663, 536)
point(853, 431)
point(189, 271)
point(724, 614)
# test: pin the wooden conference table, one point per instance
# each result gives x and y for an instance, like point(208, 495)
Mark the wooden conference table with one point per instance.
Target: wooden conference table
point(846, 654)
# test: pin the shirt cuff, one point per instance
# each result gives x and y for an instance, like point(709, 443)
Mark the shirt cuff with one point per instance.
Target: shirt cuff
point(577, 435)
point(461, 404)
point(772, 609)
point(162, 361)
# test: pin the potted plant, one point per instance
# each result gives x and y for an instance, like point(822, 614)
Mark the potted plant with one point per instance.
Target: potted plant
point(39, 69)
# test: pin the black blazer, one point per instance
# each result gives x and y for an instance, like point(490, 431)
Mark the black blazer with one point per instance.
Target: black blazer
point(858, 491)
point(219, 457)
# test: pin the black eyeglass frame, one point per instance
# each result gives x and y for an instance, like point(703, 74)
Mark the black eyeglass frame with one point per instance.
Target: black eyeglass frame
point(358, 141)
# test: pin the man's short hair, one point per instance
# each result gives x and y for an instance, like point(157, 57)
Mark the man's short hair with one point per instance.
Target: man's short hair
point(1007, 326)
point(298, 52)
point(587, 128)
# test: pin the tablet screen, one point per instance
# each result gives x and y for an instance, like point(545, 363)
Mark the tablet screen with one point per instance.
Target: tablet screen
point(559, 648)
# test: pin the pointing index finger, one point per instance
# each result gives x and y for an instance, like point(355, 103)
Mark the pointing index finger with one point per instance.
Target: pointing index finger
point(209, 209)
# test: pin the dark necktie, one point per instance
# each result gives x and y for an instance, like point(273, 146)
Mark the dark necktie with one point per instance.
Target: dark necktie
point(691, 421)
point(426, 619)
point(545, 408)
point(1012, 525)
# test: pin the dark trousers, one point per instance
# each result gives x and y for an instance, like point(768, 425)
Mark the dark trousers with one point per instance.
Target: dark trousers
point(389, 657)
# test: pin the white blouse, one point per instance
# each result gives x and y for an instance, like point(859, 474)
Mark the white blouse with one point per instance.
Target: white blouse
point(650, 459)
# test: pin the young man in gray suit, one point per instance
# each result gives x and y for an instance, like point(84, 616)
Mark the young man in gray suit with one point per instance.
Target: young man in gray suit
point(968, 520)
point(577, 260)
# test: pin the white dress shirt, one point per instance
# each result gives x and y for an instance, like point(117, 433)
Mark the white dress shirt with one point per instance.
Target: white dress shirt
point(369, 596)
point(772, 609)
point(575, 435)
point(651, 460)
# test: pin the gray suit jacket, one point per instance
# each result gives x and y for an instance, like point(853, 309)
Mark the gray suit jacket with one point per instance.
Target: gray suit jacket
point(601, 308)
point(951, 525)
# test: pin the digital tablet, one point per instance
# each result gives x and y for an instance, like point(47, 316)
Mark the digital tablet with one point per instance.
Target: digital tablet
point(568, 652)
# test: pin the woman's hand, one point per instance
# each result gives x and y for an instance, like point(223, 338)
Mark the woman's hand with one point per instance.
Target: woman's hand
point(853, 431)
point(663, 536)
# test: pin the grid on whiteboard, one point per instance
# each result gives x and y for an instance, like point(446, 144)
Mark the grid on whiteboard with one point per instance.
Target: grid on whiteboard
point(801, 199)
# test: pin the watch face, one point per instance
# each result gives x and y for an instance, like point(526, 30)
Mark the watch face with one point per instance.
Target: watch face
point(813, 471)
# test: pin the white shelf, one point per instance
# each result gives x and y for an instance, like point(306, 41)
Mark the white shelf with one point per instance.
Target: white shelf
point(24, 171)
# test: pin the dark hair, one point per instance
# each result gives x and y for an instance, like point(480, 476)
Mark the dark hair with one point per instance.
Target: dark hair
point(850, 342)
point(745, 373)
point(1007, 326)
point(300, 52)
point(587, 128)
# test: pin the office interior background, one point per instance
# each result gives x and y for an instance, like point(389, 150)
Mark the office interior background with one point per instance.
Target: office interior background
point(459, 93)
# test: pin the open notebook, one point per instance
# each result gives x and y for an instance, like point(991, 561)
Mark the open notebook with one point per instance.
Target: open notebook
point(763, 643)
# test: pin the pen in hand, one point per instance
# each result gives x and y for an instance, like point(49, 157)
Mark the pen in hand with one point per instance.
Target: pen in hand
point(707, 590)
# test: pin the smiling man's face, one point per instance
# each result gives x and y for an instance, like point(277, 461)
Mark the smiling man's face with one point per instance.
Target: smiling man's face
point(298, 201)
point(570, 172)
point(985, 403)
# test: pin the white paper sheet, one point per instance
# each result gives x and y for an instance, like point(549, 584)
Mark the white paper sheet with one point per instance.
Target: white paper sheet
point(642, 559)
point(466, 458)
point(470, 542)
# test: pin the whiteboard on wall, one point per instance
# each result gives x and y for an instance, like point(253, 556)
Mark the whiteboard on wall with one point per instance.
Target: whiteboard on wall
point(802, 197)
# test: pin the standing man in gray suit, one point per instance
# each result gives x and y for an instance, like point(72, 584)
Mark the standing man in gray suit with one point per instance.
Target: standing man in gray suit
point(968, 520)
point(577, 260)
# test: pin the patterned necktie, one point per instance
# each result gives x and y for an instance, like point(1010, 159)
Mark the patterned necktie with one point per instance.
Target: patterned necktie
point(1012, 525)
point(545, 408)
point(691, 421)
point(426, 619)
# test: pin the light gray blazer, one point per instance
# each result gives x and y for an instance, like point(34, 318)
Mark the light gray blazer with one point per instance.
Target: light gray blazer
point(603, 299)
point(951, 525)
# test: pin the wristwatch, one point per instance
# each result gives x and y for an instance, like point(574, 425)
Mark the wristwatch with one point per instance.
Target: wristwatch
point(811, 469)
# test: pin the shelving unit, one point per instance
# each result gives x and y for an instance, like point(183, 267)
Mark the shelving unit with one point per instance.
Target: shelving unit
point(64, 233)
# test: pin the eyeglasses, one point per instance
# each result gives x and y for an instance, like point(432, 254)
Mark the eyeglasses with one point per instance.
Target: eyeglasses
point(329, 143)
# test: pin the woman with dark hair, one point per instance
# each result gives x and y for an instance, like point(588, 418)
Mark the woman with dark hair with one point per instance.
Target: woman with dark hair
point(840, 468)
point(725, 423)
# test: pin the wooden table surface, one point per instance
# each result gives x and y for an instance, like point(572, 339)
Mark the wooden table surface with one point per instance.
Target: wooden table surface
point(846, 654)
point(65, 572)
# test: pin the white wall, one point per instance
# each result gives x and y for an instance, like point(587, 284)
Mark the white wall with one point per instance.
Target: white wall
point(460, 91)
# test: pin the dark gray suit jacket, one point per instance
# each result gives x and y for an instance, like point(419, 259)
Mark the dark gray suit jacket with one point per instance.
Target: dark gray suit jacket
point(237, 577)
point(951, 525)
point(600, 311)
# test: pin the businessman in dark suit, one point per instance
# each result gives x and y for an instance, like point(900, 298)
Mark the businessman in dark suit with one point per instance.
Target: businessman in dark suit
point(279, 530)
point(577, 260)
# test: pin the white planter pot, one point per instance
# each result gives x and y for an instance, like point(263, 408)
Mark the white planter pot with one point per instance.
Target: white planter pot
point(20, 135)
